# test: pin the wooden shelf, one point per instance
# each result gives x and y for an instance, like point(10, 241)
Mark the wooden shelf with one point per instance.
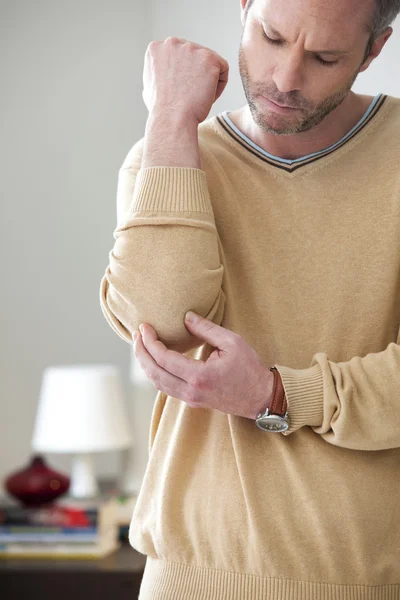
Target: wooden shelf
point(117, 576)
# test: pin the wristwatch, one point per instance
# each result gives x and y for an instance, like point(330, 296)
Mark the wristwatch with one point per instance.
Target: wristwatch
point(275, 418)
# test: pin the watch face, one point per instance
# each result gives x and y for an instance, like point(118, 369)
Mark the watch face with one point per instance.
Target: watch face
point(273, 423)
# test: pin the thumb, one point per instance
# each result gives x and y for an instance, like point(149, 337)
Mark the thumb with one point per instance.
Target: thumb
point(206, 330)
point(223, 80)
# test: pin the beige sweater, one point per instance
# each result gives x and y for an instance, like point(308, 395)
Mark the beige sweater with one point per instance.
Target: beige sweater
point(302, 259)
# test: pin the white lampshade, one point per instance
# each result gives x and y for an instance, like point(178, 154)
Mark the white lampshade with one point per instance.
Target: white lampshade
point(81, 409)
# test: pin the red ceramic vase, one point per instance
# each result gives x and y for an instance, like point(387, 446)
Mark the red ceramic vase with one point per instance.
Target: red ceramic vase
point(37, 483)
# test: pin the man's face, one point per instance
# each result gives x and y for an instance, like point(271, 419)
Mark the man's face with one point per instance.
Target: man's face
point(291, 72)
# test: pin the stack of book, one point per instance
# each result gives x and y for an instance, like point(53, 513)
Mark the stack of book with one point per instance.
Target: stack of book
point(66, 528)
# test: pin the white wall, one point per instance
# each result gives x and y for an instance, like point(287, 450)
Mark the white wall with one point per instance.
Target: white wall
point(71, 107)
point(383, 74)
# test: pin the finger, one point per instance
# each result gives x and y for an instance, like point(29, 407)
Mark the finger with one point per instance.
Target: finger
point(220, 87)
point(223, 63)
point(164, 381)
point(176, 39)
point(222, 81)
point(187, 369)
point(210, 332)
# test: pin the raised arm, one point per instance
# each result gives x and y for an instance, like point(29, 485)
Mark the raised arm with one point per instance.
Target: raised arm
point(166, 258)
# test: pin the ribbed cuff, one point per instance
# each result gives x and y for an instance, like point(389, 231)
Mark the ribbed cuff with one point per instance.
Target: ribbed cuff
point(171, 189)
point(304, 389)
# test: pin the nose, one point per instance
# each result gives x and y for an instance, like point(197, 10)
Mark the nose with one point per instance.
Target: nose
point(288, 74)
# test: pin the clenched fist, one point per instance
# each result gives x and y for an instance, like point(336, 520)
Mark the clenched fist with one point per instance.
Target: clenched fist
point(183, 77)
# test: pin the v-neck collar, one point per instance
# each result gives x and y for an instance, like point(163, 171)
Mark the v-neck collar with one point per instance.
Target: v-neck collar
point(291, 165)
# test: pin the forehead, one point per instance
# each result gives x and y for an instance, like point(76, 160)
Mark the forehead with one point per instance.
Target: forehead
point(329, 18)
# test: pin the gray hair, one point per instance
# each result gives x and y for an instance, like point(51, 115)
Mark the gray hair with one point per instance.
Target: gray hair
point(384, 14)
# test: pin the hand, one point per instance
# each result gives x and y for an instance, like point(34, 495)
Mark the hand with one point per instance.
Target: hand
point(233, 380)
point(183, 77)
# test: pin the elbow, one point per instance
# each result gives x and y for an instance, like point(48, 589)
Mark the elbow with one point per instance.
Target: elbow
point(111, 315)
point(167, 319)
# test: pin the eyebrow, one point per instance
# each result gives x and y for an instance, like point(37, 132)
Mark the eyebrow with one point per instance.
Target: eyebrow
point(333, 52)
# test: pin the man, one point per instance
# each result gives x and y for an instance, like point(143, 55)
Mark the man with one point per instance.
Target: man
point(316, 85)
point(278, 225)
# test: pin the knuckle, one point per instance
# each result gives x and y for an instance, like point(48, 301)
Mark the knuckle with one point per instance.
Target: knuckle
point(191, 399)
point(172, 39)
point(199, 382)
point(152, 45)
point(151, 374)
point(156, 382)
point(202, 378)
point(209, 56)
point(205, 52)
point(155, 377)
point(209, 325)
point(161, 359)
point(236, 339)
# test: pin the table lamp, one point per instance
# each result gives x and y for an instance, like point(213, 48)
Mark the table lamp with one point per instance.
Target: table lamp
point(81, 410)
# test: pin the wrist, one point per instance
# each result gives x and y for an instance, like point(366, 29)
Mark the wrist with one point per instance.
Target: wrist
point(272, 394)
point(172, 120)
point(171, 141)
point(278, 401)
point(264, 397)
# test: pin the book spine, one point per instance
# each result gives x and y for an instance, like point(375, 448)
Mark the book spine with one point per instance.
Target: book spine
point(49, 538)
point(50, 516)
point(60, 552)
point(48, 546)
point(35, 529)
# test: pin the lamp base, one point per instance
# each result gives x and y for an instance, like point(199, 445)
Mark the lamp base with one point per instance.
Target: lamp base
point(83, 481)
point(37, 483)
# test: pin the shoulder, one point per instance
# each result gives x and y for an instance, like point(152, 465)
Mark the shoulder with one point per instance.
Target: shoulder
point(388, 112)
point(219, 151)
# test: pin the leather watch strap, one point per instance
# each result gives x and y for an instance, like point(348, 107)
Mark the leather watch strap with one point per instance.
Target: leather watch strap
point(279, 403)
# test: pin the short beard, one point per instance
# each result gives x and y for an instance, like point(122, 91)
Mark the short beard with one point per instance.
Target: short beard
point(286, 127)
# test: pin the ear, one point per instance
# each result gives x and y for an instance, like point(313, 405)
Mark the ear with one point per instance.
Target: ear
point(377, 47)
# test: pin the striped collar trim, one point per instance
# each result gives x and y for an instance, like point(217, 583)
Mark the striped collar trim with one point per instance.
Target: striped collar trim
point(292, 165)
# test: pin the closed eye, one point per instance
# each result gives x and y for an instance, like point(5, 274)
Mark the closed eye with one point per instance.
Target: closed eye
point(327, 63)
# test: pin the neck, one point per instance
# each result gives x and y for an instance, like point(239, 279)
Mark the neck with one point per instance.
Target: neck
point(331, 129)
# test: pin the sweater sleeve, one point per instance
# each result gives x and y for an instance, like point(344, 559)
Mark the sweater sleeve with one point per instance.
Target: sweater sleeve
point(353, 404)
point(166, 256)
